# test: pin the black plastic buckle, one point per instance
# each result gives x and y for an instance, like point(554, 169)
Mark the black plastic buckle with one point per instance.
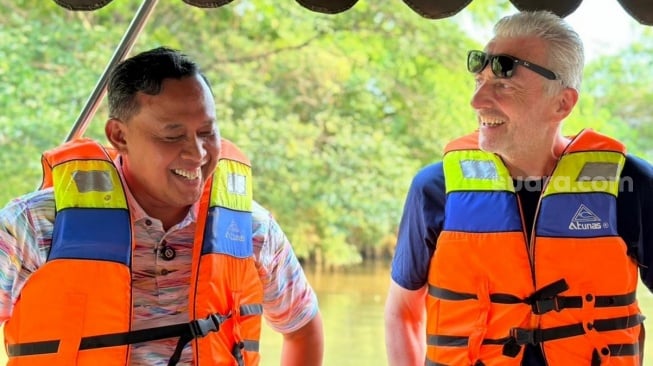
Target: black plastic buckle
point(523, 336)
point(543, 306)
point(202, 327)
point(511, 348)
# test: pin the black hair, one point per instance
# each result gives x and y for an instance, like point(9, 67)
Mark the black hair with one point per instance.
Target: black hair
point(145, 72)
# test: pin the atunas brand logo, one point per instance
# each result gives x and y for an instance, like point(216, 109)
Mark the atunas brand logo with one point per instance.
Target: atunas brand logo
point(585, 219)
point(233, 232)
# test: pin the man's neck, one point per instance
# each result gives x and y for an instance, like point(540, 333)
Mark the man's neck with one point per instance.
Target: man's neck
point(168, 217)
point(536, 163)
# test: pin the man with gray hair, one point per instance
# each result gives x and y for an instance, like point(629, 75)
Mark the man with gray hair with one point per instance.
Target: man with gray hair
point(523, 246)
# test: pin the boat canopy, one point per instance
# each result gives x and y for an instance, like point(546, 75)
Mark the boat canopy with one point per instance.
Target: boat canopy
point(640, 10)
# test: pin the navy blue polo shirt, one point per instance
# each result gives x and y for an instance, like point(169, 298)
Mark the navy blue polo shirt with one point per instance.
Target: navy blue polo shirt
point(423, 217)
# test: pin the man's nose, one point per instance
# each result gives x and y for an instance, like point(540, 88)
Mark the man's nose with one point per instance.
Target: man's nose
point(482, 93)
point(194, 149)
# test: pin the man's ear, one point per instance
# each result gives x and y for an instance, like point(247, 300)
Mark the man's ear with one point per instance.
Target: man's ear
point(115, 131)
point(566, 102)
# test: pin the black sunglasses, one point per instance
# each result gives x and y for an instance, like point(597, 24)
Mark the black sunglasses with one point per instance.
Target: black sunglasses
point(503, 66)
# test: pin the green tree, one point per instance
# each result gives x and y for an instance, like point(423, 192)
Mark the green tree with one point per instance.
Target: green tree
point(337, 112)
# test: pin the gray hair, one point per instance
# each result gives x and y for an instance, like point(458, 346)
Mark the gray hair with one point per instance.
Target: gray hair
point(565, 51)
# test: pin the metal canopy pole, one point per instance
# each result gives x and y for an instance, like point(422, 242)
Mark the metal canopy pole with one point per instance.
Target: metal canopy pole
point(125, 46)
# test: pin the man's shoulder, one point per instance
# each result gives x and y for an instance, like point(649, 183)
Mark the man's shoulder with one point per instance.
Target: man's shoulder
point(258, 210)
point(37, 200)
point(430, 174)
point(428, 186)
point(37, 206)
point(262, 218)
point(637, 168)
point(636, 179)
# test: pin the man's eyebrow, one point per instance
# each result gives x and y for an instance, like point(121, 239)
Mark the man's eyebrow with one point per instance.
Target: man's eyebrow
point(173, 126)
point(176, 125)
point(209, 123)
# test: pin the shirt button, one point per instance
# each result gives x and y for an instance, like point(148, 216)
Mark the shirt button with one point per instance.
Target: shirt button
point(148, 222)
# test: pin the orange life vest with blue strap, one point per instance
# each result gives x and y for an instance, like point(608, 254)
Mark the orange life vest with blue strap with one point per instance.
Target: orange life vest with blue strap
point(570, 289)
point(76, 309)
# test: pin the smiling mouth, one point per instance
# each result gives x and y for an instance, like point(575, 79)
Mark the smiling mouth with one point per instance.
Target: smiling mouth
point(188, 174)
point(489, 122)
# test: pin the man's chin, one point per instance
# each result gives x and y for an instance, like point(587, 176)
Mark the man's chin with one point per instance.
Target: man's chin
point(485, 145)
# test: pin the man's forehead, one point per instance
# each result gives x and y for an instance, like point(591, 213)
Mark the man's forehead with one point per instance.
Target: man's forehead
point(179, 98)
point(528, 48)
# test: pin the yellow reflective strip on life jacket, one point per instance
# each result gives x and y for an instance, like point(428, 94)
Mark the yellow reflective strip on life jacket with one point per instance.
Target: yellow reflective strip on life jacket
point(234, 180)
point(88, 184)
point(475, 170)
point(595, 171)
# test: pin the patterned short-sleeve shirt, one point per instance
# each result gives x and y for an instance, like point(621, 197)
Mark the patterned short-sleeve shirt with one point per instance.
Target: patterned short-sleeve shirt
point(160, 286)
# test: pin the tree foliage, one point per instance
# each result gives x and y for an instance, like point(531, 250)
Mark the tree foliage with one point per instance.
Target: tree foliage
point(337, 112)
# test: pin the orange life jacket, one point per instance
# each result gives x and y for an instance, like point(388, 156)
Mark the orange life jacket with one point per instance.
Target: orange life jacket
point(76, 309)
point(570, 290)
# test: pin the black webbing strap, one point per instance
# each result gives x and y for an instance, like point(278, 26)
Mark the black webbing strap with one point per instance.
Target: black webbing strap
point(200, 329)
point(250, 345)
point(428, 362)
point(251, 309)
point(523, 336)
point(543, 300)
point(534, 336)
point(190, 330)
point(459, 341)
point(621, 350)
point(548, 291)
point(546, 299)
point(614, 350)
point(186, 331)
point(207, 327)
point(237, 352)
point(596, 358)
point(444, 294)
point(245, 310)
point(520, 336)
point(558, 303)
point(32, 348)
